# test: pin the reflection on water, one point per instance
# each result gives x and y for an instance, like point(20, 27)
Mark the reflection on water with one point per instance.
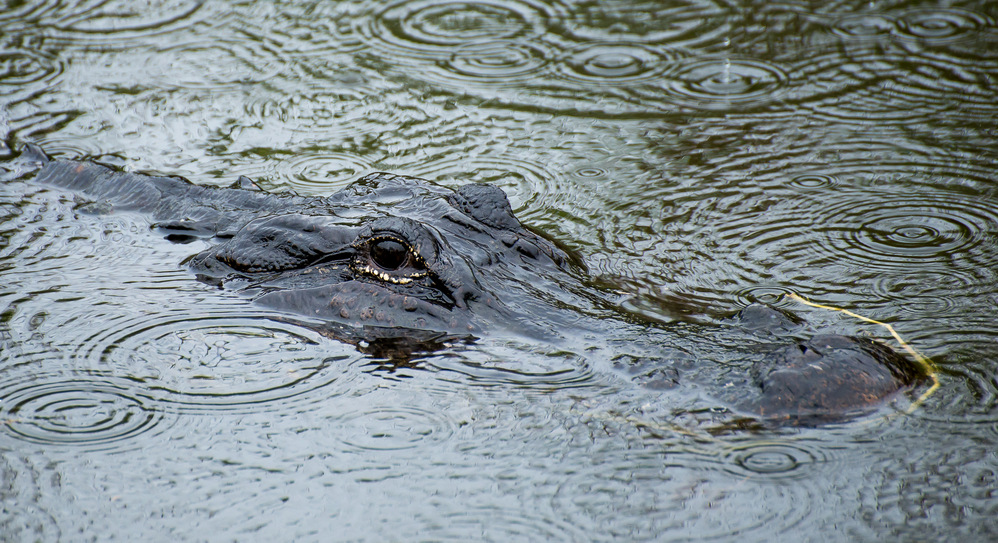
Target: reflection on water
point(700, 154)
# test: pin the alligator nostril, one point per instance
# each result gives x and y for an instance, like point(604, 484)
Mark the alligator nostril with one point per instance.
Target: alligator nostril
point(389, 254)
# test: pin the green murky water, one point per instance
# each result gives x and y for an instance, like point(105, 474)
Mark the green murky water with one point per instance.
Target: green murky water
point(700, 154)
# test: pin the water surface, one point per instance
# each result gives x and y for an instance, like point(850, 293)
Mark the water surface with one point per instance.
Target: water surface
point(700, 154)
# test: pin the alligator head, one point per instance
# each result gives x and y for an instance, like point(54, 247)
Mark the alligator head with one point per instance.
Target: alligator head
point(388, 258)
point(390, 252)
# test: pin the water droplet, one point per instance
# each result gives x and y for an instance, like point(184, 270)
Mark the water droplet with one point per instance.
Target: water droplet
point(725, 83)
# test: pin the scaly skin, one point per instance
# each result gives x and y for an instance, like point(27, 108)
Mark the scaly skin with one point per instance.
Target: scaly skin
point(406, 262)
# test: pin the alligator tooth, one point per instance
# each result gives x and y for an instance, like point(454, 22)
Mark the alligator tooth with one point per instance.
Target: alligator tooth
point(388, 278)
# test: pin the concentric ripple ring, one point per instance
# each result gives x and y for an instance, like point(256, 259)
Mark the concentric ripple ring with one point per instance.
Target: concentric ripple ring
point(431, 29)
point(93, 413)
point(723, 83)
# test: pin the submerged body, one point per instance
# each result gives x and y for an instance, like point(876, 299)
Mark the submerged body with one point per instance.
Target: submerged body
point(397, 263)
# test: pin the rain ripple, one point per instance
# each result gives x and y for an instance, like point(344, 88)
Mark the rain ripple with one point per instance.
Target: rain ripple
point(387, 428)
point(726, 83)
point(532, 187)
point(112, 21)
point(215, 65)
point(920, 88)
point(493, 522)
point(242, 362)
point(771, 295)
point(683, 23)
point(774, 460)
point(89, 411)
point(923, 291)
point(892, 232)
point(814, 181)
point(310, 171)
point(969, 396)
point(866, 231)
point(504, 63)
point(865, 209)
point(924, 57)
point(335, 113)
point(863, 26)
point(24, 71)
point(322, 172)
point(930, 25)
point(614, 63)
point(530, 54)
point(432, 29)
point(941, 24)
point(654, 489)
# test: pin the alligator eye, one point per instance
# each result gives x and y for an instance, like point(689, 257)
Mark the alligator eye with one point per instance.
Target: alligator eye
point(390, 259)
point(389, 254)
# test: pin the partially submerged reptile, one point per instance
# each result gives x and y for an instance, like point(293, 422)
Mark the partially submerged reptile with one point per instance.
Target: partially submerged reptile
point(399, 262)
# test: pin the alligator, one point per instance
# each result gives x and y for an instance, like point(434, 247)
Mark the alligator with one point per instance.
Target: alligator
point(399, 264)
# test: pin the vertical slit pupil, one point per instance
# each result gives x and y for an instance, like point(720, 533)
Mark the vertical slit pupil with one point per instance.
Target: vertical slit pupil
point(389, 254)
